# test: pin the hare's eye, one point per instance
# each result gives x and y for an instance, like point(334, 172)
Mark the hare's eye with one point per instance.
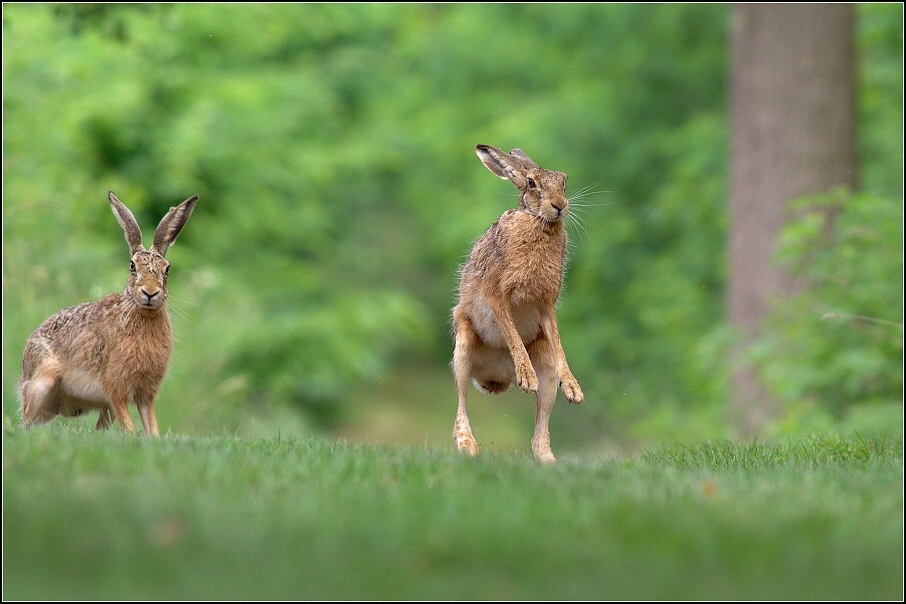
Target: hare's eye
point(132, 266)
point(531, 183)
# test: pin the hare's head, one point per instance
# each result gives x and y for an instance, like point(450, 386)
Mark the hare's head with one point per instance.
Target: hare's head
point(541, 192)
point(148, 268)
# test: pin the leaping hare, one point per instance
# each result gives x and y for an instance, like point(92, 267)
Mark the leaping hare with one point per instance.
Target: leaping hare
point(100, 355)
point(504, 323)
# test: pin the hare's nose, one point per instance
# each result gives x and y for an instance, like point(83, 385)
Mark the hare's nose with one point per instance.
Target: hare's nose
point(149, 296)
point(558, 208)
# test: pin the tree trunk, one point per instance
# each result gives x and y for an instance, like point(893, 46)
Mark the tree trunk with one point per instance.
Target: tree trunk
point(793, 133)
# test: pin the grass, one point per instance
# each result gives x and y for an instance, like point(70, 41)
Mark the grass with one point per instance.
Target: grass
point(97, 516)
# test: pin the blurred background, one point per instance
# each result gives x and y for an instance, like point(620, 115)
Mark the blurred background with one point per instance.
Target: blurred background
point(332, 149)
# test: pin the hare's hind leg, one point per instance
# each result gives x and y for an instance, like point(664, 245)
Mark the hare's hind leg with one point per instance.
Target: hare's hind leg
point(544, 361)
point(466, 340)
point(39, 394)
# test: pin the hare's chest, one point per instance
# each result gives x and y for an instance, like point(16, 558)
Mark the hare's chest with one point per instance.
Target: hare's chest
point(531, 264)
point(533, 279)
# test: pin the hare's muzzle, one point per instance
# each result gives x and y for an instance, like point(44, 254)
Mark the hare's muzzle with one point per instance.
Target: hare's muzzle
point(150, 299)
point(554, 209)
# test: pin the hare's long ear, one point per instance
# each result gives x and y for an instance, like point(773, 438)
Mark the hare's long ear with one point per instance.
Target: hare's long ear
point(128, 222)
point(502, 164)
point(171, 225)
point(526, 160)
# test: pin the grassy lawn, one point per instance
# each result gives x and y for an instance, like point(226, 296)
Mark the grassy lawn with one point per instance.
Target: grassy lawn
point(106, 516)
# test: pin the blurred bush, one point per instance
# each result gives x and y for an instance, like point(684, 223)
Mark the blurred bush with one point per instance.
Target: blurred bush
point(839, 342)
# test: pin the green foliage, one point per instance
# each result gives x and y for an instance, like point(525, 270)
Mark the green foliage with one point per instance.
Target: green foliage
point(839, 342)
point(111, 517)
point(879, 42)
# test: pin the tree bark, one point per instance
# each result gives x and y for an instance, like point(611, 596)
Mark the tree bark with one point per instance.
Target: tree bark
point(793, 133)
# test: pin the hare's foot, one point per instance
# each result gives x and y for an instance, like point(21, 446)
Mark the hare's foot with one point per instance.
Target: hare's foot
point(541, 447)
point(571, 388)
point(526, 378)
point(462, 436)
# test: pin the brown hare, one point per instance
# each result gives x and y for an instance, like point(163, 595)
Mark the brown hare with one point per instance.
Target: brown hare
point(504, 324)
point(100, 355)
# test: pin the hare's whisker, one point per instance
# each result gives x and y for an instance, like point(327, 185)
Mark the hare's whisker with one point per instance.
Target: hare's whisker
point(579, 224)
point(182, 314)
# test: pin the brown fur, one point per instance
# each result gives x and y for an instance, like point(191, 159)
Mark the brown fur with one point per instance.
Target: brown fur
point(100, 355)
point(504, 324)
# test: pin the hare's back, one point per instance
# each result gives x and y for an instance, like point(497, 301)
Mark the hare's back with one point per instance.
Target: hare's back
point(77, 317)
point(75, 331)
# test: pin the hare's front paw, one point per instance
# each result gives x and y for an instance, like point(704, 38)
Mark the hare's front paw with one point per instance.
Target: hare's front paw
point(526, 378)
point(571, 388)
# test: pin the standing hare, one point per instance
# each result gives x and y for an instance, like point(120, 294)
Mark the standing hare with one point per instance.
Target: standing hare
point(504, 323)
point(100, 355)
